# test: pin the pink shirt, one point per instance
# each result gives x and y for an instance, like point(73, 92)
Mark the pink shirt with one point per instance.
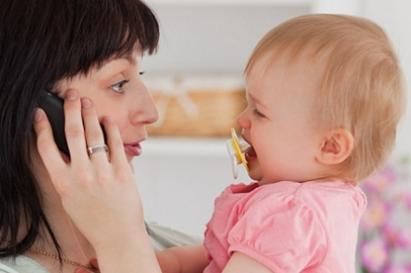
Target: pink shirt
point(289, 227)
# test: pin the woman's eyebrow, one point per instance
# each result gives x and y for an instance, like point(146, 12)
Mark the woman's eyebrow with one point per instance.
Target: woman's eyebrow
point(130, 59)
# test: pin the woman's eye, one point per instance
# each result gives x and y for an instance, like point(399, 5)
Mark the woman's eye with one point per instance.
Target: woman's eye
point(141, 73)
point(118, 87)
point(258, 113)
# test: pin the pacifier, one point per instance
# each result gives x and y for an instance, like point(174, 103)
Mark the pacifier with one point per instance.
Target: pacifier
point(236, 153)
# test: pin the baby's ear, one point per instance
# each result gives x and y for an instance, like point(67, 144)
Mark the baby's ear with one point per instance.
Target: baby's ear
point(336, 147)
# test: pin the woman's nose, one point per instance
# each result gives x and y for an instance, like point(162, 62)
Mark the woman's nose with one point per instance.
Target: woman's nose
point(145, 111)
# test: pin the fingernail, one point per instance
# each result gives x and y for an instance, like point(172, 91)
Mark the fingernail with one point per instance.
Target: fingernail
point(86, 103)
point(38, 114)
point(71, 95)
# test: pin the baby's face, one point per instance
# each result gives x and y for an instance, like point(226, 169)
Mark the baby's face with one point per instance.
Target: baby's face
point(279, 121)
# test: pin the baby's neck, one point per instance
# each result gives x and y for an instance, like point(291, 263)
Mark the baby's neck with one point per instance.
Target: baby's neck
point(327, 178)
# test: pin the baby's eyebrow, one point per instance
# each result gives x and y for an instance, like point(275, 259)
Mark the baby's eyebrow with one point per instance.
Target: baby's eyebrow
point(249, 99)
point(249, 96)
point(253, 98)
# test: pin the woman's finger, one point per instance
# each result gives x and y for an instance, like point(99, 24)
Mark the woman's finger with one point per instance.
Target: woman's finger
point(94, 134)
point(74, 128)
point(82, 270)
point(47, 148)
point(94, 263)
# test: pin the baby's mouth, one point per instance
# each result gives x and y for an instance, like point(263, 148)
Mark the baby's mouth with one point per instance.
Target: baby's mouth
point(250, 153)
point(247, 149)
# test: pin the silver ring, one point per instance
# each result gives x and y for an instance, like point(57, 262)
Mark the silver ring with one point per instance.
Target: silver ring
point(97, 148)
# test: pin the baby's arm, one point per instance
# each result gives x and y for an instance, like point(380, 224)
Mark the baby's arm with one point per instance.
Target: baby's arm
point(184, 259)
point(241, 263)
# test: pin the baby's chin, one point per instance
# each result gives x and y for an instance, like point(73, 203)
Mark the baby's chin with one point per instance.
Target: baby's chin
point(255, 173)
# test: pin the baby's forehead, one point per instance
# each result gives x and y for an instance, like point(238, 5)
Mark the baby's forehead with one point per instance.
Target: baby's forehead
point(289, 57)
point(287, 66)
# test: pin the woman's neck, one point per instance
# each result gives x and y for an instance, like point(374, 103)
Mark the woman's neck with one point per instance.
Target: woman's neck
point(73, 244)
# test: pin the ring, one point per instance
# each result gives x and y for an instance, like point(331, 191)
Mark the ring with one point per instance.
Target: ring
point(97, 148)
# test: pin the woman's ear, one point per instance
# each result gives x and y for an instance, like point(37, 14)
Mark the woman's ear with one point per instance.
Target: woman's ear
point(336, 147)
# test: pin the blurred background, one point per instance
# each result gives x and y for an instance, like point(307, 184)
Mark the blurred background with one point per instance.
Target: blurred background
point(196, 79)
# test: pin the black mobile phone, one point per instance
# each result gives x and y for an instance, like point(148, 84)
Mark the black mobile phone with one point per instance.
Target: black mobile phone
point(54, 108)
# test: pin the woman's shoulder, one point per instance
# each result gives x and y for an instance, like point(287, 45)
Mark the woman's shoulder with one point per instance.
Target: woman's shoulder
point(20, 264)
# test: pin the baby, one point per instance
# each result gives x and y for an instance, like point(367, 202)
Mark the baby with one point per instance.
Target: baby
point(325, 94)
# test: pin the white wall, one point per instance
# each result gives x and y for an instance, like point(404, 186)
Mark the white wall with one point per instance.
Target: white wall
point(178, 186)
point(394, 17)
point(212, 39)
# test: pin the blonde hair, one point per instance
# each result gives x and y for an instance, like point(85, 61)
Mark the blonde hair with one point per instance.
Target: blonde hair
point(362, 89)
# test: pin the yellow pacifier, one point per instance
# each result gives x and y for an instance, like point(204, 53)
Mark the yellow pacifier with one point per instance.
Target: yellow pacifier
point(236, 152)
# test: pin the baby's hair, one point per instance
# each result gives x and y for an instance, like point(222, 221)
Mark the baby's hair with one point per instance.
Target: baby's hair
point(362, 89)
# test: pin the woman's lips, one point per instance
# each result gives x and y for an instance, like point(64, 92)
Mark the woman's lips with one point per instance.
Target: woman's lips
point(132, 149)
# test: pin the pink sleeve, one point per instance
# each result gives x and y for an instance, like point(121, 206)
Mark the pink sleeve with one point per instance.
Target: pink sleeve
point(285, 238)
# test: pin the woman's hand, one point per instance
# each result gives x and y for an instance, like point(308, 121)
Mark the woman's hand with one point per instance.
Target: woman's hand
point(98, 191)
point(93, 263)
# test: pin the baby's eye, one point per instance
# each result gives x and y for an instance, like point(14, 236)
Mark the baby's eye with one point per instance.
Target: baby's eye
point(141, 73)
point(118, 87)
point(258, 113)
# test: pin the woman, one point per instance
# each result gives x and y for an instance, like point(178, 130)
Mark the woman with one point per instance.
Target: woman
point(88, 52)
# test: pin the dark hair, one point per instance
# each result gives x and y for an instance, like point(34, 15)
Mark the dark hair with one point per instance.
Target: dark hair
point(41, 42)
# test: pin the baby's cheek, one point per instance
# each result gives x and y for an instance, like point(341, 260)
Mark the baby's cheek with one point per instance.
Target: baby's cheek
point(254, 171)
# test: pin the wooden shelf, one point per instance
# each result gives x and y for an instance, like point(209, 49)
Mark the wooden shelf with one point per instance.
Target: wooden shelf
point(184, 147)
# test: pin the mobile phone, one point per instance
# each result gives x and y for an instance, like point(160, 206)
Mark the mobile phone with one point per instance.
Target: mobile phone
point(54, 108)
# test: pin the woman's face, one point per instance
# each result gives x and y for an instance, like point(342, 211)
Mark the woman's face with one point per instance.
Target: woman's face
point(117, 90)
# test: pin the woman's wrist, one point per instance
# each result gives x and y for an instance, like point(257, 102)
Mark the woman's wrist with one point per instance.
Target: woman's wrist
point(121, 238)
point(132, 253)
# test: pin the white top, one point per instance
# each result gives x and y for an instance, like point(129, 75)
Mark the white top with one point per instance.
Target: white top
point(161, 237)
point(22, 264)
